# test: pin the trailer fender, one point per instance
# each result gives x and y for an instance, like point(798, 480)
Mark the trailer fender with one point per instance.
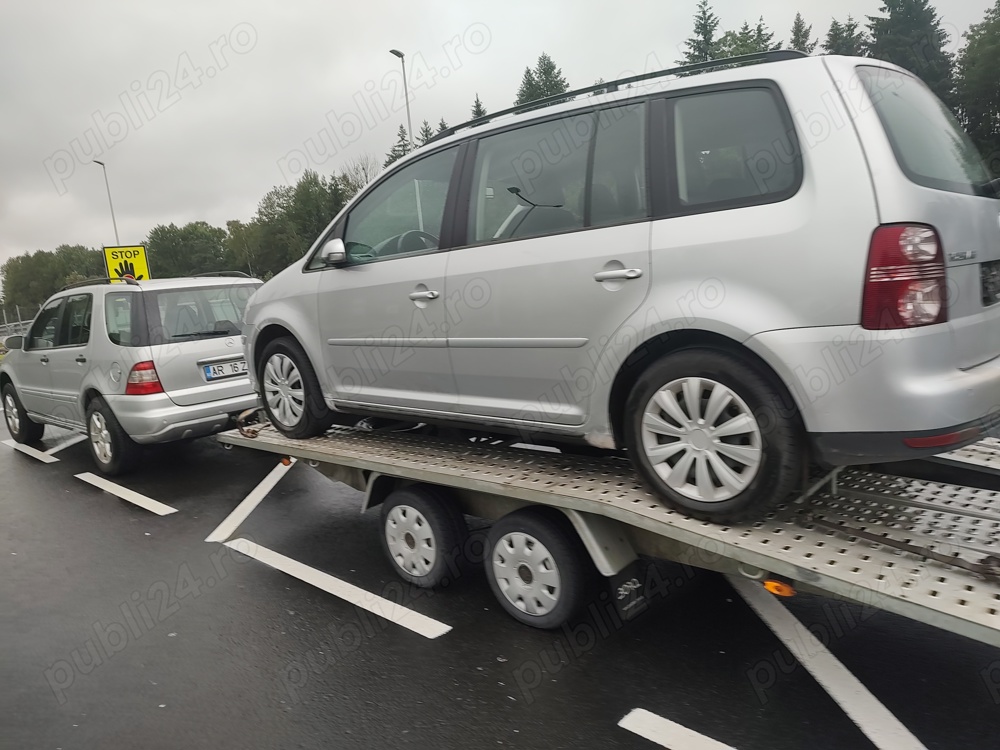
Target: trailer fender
point(605, 540)
point(377, 489)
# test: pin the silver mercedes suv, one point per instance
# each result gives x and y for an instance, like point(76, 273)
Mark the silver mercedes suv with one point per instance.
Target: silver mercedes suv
point(730, 275)
point(131, 364)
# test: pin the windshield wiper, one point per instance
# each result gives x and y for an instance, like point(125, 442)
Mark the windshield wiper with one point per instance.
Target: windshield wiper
point(201, 333)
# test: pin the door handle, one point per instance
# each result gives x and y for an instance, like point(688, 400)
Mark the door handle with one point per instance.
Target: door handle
point(44, 360)
point(81, 359)
point(424, 295)
point(625, 273)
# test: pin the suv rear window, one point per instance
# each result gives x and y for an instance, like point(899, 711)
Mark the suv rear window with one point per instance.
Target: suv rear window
point(930, 146)
point(198, 313)
point(118, 318)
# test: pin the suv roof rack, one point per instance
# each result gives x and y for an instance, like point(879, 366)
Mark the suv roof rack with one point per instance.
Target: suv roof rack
point(777, 55)
point(222, 273)
point(100, 280)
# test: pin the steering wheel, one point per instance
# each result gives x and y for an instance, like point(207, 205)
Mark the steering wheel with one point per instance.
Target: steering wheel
point(408, 241)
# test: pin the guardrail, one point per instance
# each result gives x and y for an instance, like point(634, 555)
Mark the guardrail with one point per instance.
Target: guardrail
point(13, 329)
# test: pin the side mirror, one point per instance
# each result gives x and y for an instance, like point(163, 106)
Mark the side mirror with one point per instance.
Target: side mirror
point(334, 253)
point(13, 342)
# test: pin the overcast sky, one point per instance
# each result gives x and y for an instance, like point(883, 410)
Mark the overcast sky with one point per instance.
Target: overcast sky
point(198, 108)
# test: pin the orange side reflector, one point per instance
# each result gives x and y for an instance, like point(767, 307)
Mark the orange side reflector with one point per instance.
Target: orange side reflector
point(286, 460)
point(779, 588)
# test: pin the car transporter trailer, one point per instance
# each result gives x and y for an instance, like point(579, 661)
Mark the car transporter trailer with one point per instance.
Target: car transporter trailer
point(923, 550)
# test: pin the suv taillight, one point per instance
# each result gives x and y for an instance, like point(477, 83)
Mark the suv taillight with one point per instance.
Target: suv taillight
point(143, 380)
point(905, 285)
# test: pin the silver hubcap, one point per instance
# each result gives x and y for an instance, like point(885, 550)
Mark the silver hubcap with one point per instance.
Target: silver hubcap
point(702, 439)
point(526, 573)
point(283, 390)
point(100, 438)
point(10, 411)
point(411, 541)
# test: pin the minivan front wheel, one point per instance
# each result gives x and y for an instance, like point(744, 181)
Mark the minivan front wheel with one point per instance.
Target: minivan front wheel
point(290, 390)
point(711, 436)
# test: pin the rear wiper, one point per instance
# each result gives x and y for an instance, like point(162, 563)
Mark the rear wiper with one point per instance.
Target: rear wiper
point(201, 333)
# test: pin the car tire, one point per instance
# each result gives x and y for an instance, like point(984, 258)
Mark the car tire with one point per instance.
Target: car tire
point(526, 545)
point(113, 451)
point(732, 452)
point(424, 535)
point(19, 424)
point(283, 364)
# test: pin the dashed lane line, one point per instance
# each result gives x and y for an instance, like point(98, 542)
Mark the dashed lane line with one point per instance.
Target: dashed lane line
point(884, 730)
point(232, 522)
point(396, 613)
point(66, 444)
point(27, 450)
point(126, 494)
point(666, 733)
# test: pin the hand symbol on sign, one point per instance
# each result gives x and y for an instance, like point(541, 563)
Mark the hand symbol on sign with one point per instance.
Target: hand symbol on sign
point(126, 270)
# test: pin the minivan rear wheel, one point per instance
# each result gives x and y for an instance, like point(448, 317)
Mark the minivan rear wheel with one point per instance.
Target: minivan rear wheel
point(710, 435)
point(291, 392)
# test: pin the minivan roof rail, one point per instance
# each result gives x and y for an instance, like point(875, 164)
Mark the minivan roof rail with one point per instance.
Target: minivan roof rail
point(777, 55)
point(100, 280)
point(241, 274)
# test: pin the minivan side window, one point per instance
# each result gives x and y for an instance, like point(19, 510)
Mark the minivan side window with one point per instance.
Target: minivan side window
point(118, 318)
point(46, 326)
point(75, 327)
point(733, 149)
point(402, 215)
point(530, 181)
point(618, 186)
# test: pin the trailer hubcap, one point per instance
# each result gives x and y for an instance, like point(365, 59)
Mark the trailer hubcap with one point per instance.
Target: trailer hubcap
point(10, 412)
point(702, 439)
point(410, 540)
point(284, 390)
point(526, 573)
point(100, 438)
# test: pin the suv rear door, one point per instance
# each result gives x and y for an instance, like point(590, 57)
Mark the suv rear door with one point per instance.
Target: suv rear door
point(926, 170)
point(68, 361)
point(195, 340)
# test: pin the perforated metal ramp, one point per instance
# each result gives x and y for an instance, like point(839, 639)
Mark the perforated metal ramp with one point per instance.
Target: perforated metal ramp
point(983, 456)
point(955, 521)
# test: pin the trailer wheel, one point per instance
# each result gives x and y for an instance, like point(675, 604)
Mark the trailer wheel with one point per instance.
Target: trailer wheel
point(423, 534)
point(538, 568)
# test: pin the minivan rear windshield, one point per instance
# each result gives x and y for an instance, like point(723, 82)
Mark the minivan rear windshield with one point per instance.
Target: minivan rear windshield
point(930, 145)
point(196, 313)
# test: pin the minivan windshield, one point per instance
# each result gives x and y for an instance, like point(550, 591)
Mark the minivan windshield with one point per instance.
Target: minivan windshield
point(930, 145)
point(197, 313)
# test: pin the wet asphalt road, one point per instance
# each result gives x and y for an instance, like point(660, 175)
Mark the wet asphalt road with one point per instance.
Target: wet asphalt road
point(121, 628)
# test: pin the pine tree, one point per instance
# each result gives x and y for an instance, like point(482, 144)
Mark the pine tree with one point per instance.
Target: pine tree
point(747, 41)
point(545, 80)
point(801, 36)
point(599, 81)
point(703, 46)
point(400, 149)
point(846, 39)
point(442, 126)
point(478, 110)
point(910, 35)
point(978, 86)
point(425, 133)
point(528, 90)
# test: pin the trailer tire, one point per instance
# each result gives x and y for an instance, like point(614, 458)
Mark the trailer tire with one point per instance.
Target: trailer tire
point(538, 568)
point(424, 535)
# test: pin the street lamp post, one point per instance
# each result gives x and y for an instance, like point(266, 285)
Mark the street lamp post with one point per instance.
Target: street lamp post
point(112, 205)
point(406, 94)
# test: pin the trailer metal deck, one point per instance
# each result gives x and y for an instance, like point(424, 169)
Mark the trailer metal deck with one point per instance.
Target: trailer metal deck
point(812, 540)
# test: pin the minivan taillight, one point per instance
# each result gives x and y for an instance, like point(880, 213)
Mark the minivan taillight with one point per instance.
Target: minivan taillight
point(143, 380)
point(905, 285)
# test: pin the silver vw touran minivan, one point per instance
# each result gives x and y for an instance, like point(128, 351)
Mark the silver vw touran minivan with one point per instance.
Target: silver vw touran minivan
point(730, 276)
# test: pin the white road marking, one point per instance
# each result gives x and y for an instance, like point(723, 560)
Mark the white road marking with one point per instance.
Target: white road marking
point(666, 733)
point(418, 623)
point(27, 450)
point(126, 494)
point(884, 730)
point(225, 529)
point(66, 444)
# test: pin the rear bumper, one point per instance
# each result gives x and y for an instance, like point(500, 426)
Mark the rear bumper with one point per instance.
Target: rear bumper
point(157, 419)
point(854, 448)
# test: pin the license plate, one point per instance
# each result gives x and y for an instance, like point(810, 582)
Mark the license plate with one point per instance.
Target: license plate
point(990, 272)
point(226, 370)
